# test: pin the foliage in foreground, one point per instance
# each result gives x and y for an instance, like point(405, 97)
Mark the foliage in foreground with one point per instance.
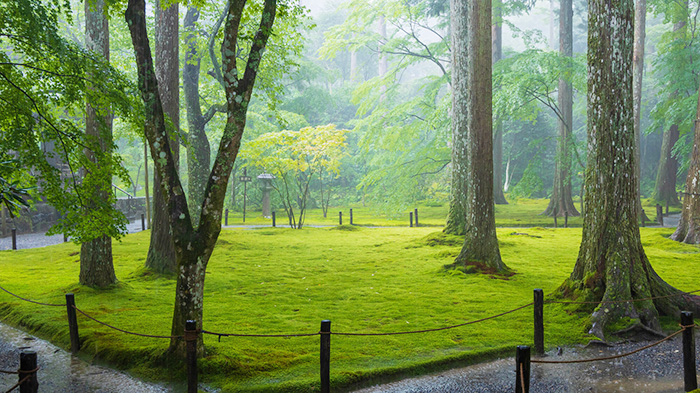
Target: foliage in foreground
point(284, 281)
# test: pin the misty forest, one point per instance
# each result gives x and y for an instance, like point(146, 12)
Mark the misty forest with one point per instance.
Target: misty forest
point(225, 175)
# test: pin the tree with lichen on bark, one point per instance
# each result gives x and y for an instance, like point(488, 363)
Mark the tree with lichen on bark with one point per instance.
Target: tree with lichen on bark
point(472, 128)
point(612, 265)
point(194, 246)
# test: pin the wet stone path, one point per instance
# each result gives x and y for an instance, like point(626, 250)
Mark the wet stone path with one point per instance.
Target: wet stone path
point(59, 372)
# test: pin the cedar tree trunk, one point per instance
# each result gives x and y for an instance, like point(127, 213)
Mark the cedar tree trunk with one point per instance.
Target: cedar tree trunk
point(561, 203)
point(666, 175)
point(640, 17)
point(161, 252)
point(96, 264)
point(612, 264)
point(480, 244)
point(497, 51)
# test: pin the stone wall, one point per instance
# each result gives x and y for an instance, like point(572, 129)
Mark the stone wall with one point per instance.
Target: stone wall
point(42, 216)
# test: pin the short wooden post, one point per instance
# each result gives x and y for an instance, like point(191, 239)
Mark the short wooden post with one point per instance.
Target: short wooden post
point(539, 321)
point(689, 372)
point(644, 223)
point(143, 222)
point(274, 220)
point(14, 238)
point(659, 214)
point(410, 219)
point(556, 225)
point(566, 218)
point(191, 347)
point(27, 368)
point(522, 369)
point(351, 223)
point(667, 207)
point(226, 218)
point(72, 323)
point(65, 238)
point(415, 216)
point(340, 218)
point(325, 356)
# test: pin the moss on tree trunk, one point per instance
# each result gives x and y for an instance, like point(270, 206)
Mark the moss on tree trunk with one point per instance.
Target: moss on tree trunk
point(611, 264)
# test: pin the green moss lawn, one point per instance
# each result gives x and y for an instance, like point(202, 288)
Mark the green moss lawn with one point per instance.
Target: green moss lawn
point(287, 281)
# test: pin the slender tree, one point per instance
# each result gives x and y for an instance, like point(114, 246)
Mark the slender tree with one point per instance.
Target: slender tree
point(561, 202)
point(194, 246)
point(497, 52)
point(640, 18)
point(474, 92)
point(161, 252)
point(96, 263)
point(612, 264)
point(666, 175)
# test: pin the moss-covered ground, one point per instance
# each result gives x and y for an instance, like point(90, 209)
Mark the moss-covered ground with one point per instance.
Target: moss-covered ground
point(270, 281)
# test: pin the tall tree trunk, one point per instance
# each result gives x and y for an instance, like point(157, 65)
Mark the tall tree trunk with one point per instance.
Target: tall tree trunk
point(666, 175)
point(198, 149)
point(96, 264)
point(561, 202)
point(193, 246)
point(161, 252)
point(497, 52)
point(480, 247)
point(688, 230)
point(457, 214)
point(640, 17)
point(612, 264)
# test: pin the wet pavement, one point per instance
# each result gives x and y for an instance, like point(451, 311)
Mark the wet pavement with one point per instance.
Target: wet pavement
point(39, 239)
point(655, 370)
point(59, 372)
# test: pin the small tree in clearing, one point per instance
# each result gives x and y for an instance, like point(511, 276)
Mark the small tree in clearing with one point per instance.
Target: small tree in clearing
point(294, 158)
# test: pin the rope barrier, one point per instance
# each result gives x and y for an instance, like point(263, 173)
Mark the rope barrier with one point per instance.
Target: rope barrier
point(436, 329)
point(522, 378)
point(622, 301)
point(32, 301)
point(8, 372)
point(122, 330)
point(259, 335)
point(612, 356)
point(23, 380)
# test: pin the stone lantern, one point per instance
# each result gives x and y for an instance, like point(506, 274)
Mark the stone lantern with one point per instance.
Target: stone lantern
point(266, 186)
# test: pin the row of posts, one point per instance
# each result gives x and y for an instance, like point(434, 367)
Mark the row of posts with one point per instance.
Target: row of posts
point(411, 216)
point(522, 357)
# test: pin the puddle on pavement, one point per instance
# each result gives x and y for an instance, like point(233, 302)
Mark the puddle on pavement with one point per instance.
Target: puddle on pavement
point(61, 372)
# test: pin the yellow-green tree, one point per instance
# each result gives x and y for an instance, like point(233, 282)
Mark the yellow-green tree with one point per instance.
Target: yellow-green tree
point(295, 158)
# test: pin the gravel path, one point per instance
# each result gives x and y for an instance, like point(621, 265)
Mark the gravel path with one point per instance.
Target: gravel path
point(656, 370)
point(35, 240)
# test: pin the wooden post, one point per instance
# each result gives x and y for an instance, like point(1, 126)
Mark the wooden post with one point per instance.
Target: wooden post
point(325, 356)
point(226, 218)
point(351, 223)
point(659, 214)
point(274, 220)
point(555, 219)
point(14, 238)
point(643, 220)
point(539, 321)
point(72, 323)
point(340, 218)
point(65, 238)
point(143, 222)
point(522, 369)
point(415, 216)
point(191, 347)
point(667, 207)
point(690, 377)
point(410, 219)
point(27, 368)
point(566, 218)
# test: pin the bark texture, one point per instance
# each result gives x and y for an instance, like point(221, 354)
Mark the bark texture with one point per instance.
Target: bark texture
point(688, 230)
point(640, 17)
point(194, 246)
point(457, 214)
point(161, 251)
point(96, 263)
point(612, 264)
point(480, 244)
point(497, 52)
point(561, 202)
